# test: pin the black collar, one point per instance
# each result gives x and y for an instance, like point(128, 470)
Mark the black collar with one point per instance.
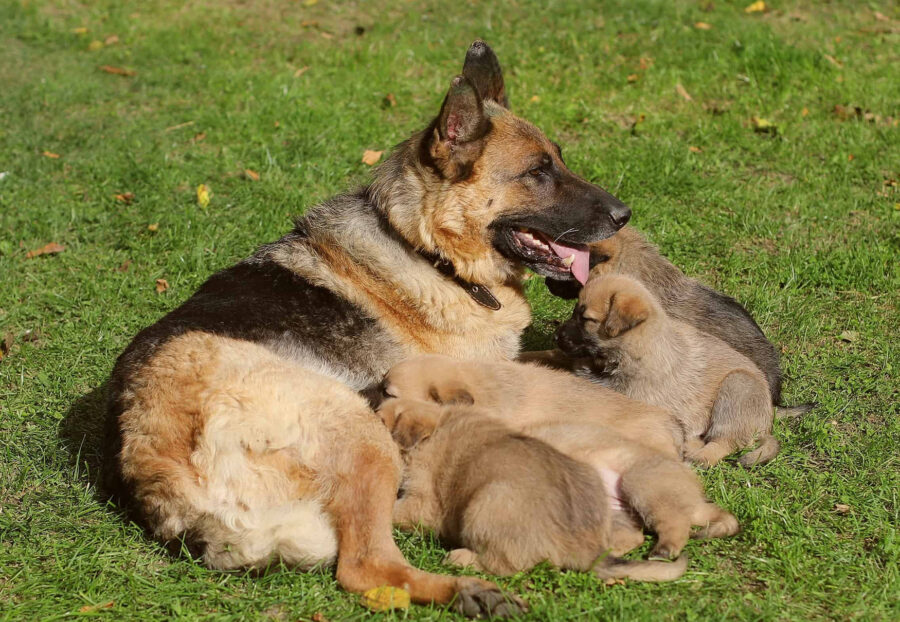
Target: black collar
point(479, 293)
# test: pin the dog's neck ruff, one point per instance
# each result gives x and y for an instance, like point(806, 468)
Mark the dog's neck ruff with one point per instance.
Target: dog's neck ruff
point(479, 293)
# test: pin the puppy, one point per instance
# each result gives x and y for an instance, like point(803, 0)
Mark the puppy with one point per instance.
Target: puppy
point(720, 397)
point(506, 500)
point(633, 447)
point(685, 299)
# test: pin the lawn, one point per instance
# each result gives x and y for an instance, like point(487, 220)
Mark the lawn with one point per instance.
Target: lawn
point(271, 105)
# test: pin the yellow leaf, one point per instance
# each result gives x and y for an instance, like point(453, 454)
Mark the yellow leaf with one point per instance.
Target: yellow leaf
point(695, 149)
point(153, 228)
point(203, 195)
point(683, 92)
point(804, 112)
point(763, 126)
point(703, 26)
point(50, 154)
point(756, 7)
point(95, 45)
point(535, 99)
point(633, 77)
point(251, 174)
point(386, 597)
point(310, 2)
point(371, 157)
point(80, 31)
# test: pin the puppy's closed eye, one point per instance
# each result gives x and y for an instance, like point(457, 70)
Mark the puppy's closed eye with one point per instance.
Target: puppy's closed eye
point(450, 395)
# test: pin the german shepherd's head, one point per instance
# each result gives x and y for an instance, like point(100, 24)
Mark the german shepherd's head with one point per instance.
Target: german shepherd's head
point(489, 192)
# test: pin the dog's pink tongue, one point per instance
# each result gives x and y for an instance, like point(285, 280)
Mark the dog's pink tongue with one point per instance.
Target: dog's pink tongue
point(581, 266)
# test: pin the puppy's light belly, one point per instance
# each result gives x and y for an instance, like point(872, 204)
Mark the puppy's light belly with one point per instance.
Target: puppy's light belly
point(612, 482)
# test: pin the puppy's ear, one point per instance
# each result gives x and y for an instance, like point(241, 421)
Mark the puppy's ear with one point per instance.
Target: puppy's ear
point(451, 393)
point(482, 68)
point(626, 310)
point(456, 139)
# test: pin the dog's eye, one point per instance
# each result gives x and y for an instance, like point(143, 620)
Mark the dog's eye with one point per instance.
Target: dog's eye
point(537, 172)
point(388, 390)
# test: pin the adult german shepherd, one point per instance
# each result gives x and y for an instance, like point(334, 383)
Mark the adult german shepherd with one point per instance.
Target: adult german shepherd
point(236, 418)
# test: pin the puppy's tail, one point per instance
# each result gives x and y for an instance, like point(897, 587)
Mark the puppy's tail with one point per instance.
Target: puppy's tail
point(611, 567)
point(768, 449)
point(789, 412)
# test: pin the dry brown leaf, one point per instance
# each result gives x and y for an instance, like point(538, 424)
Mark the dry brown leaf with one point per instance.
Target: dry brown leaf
point(633, 77)
point(756, 7)
point(50, 154)
point(881, 17)
point(172, 128)
point(535, 99)
point(251, 174)
point(161, 285)
point(88, 608)
point(849, 336)
point(831, 59)
point(703, 26)
point(645, 62)
point(111, 40)
point(318, 617)
point(125, 197)
point(124, 267)
point(48, 249)
point(309, 23)
point(693, 149)
point(389, 100)
point(327, 35)
point(683, 92)
point(301, 71)
point(804, 112)
point(153, 228)
point(850, 157)
point(371, 157)
point(842, 508)
point(198, 137)
point(118, 71)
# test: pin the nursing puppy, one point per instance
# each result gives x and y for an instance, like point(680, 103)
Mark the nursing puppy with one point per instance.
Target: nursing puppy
point(633, 447)
point(683, 298)
point(508, 501)
point(719, 396)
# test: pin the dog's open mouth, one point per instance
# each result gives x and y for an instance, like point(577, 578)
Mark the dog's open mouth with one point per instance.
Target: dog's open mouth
point(555, 256)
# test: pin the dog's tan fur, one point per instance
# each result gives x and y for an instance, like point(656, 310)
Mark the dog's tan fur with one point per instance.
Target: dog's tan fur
point(633, 446)
point(475, 482)
point(719, 396)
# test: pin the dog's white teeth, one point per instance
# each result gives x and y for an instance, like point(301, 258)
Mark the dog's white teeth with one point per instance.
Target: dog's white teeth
point(526, 235)
point(568, 261)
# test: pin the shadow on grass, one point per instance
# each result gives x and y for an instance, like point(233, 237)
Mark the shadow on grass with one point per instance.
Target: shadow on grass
point(83, 434)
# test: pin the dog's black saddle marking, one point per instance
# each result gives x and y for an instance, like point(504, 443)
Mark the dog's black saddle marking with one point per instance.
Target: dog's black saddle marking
point(479, 293)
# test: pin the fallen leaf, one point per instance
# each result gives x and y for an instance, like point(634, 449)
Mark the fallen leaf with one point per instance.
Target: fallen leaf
point(203, 195)
point(153, 228)
point(841, 508)
point(881, 17)
point(327, 35)
point(88, 608)
point(161, 285)
point(48, 249)
point(703, 26)
point(645, 62)
point(81, 30)
point(756, 7)
point(118, 71)
point(681, 91)
point(6, 345)
point(198, 137)
point(301, 71)
point(633, 77)
point(763, 126)
point(309, 23)
point(318, 617)
point(95, 45)
point(276, 124)
point(111, 40)
point(371, 157)
point(385, 598)
point(849, 336)
point(389, 101)
point(693, 149)
point(124, 267)
point(535, 99)
point(804, 112)
point(50, 154)
point(831, 59)
point(125, 197)
point(251, 174)
point(172, 128)
point(310, 2)
point(850, 157)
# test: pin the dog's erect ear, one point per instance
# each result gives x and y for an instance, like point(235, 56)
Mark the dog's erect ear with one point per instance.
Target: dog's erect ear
point(483, 69)
point(455, 144)
point(626, 310)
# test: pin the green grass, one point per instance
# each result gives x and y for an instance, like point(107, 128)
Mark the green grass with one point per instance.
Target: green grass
point(803, 234)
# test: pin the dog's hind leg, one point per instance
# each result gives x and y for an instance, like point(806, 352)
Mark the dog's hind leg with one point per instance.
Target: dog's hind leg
point(742, 411)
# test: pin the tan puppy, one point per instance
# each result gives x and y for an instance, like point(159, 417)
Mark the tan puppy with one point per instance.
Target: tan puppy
point(634, 447)
point(475, 482)
point(720, 397)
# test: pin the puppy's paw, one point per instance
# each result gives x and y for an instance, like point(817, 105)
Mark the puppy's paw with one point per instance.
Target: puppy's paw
point(463, 558)
point(478, 598)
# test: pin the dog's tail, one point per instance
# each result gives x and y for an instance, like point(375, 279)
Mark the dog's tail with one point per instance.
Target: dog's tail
point(789, 412)
point(767, 449)
point(611, 567)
